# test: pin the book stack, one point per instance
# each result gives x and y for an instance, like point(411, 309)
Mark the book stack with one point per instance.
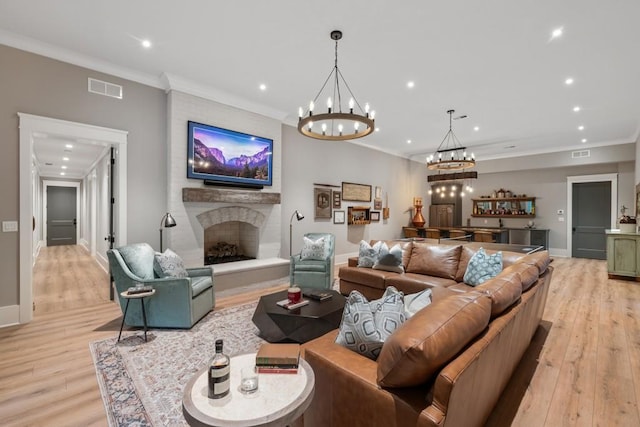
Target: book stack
point(278, 358)
point(318, 295)
point(292, 305)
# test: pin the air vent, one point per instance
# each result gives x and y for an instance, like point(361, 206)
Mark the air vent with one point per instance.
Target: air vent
point(580, 154)
point(105, 88)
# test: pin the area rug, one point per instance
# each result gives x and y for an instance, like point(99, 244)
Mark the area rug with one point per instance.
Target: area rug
point(142, 383)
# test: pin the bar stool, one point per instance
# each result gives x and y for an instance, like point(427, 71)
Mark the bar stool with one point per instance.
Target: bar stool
point(432, 233)
point(483, 236)
point(410, 232)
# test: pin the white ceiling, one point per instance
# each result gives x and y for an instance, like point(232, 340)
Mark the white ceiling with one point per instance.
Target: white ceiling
point(60, 157)
point(493, 61)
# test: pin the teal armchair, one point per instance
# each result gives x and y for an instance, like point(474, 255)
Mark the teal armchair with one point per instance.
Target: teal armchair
point(316, 272)
point(177, 303)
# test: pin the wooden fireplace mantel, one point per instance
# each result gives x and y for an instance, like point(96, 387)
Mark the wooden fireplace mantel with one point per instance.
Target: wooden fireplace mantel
point(213, 195)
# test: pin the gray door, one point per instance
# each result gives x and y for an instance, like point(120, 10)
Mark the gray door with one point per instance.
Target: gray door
point(591, 216)
point(61, 216)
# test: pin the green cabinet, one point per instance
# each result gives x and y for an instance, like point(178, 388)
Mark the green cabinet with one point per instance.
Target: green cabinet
point(623, 253)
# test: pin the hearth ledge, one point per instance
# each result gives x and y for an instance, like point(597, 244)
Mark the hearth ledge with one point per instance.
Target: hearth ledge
point(213, 195)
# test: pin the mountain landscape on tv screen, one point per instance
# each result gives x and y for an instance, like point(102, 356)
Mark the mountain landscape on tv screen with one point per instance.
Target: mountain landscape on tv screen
point(212, 161)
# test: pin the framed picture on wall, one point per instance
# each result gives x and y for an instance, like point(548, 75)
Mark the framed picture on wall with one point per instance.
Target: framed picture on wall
point(337, 199)
point(356, 192)
point(322, 202)
point(338, 217)
point(375, 216)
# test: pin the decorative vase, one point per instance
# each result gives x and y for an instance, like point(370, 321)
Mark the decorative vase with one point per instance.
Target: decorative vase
point(418, 220)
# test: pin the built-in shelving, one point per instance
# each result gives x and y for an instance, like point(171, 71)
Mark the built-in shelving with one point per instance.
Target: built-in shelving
point(506, 207)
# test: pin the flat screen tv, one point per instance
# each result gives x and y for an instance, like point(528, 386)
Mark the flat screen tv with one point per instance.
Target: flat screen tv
point(226, 157)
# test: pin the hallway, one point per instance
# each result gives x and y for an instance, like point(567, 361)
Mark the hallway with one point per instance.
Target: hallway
point(66, 277)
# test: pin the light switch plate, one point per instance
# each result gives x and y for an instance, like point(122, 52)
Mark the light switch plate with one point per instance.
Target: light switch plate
point(9, 226)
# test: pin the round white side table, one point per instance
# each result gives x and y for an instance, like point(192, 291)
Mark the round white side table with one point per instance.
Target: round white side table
point(280, 399)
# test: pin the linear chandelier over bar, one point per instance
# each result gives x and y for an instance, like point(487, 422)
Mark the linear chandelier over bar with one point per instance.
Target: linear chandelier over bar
point(336, 124)
point(450, 155)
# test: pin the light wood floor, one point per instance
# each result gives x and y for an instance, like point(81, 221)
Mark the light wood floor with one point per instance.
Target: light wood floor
point(582, 368)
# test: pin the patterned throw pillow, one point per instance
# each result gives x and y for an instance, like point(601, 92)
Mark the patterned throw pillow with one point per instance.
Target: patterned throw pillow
point(367, 255)
point(169, 264)
point(482, 267)
point(389, 259)
point(366, 325)
point(313, 249)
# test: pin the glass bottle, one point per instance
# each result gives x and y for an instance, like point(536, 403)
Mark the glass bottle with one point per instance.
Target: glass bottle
point(219, 371)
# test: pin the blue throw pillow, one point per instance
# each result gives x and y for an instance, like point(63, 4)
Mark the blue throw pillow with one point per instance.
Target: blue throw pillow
point(482, 267)
point(366, 325)
point(389, 259)
point(367, 254)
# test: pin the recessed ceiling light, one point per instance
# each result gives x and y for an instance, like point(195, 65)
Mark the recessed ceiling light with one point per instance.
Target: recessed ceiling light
point(377, 129)
point(62, 173)
point(146, 43)
point(66, 159)
point(63, 167)
point(476, 128)
point(584, 140)
point(69, 145)
point(580, 127)
point(569, 81)
point(576, 108)
point(556, 33)
point(411, 84)
point(408, 141)
point(263, 87)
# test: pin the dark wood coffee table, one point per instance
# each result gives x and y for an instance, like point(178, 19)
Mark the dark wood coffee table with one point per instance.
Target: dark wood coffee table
point(277, 324)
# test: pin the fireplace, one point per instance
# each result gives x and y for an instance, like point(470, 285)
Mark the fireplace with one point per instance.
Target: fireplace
point(231, 234)
point(229, 242)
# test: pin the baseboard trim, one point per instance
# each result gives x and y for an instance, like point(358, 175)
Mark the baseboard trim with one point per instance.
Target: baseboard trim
point(9, 315)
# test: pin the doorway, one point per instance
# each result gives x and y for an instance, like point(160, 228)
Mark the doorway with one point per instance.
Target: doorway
point(592, 201)
point(61, 212)
point(36, 126)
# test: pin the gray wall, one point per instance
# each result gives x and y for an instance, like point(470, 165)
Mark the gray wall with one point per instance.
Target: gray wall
point(37, 85)
point(545, 177)
point(307, 161)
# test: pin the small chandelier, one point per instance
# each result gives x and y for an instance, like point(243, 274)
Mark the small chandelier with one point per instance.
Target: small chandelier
point(336, 124)
point(450, 155)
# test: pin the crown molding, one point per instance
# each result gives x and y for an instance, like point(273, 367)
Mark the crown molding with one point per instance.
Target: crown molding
point(180, 84)
point(165, 81)
point(65, 55)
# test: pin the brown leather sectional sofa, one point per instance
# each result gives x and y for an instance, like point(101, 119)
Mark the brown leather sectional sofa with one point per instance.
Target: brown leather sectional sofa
point(448, 364)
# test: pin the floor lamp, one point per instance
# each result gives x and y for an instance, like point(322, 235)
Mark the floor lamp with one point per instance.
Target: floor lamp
point(297, 215)
point(166, 222)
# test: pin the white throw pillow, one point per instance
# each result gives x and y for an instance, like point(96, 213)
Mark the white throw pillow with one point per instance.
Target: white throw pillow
point(389, 259)
point(314, 249)
point(416, 302)
point(169, 264)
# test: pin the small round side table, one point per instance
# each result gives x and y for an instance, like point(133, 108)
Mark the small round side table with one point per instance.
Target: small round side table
point(280, 399)
point(140, 296)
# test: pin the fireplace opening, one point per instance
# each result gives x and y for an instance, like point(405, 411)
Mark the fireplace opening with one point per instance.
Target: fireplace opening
point(230, 241)
point(223, 252)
